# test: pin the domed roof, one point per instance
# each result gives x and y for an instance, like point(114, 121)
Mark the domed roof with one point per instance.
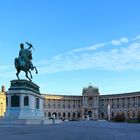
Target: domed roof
point(90, 90)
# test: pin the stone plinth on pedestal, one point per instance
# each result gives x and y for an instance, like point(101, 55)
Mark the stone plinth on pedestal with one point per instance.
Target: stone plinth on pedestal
point(24, 100)
point(24, 103)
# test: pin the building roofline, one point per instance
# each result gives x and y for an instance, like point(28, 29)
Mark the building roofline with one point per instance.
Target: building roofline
point(122, 94)
point(61, 95)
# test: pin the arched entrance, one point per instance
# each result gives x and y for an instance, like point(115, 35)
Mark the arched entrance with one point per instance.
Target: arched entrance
point(54, 113)
point(90, 114)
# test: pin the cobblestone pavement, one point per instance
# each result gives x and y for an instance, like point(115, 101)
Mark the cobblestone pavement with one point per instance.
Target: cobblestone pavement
point(78, 130)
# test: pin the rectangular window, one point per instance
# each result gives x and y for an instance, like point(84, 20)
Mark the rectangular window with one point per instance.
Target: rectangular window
point(15, 101)
point(37, 103)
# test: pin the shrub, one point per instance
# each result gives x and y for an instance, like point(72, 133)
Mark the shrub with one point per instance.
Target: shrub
point(120, 117)
point(138, 117)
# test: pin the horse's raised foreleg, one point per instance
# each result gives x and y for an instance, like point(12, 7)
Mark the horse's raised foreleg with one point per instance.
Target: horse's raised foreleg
point(35, 69)
point(27, 75)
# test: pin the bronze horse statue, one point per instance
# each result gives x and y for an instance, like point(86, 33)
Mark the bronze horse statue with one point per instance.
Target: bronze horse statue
point(25, 66)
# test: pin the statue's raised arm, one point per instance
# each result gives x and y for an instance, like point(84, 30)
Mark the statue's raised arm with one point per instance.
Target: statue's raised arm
point(30, 45)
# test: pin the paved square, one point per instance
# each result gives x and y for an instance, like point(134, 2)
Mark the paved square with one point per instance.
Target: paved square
point(82, 130)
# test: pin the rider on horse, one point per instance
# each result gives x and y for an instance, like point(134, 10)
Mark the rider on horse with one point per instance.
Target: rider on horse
point(24, 61)
point(25, 55)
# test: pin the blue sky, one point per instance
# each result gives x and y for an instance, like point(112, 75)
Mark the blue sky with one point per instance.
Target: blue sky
point(76, 42)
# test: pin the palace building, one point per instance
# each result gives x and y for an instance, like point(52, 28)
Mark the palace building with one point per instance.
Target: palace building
point(92, 105)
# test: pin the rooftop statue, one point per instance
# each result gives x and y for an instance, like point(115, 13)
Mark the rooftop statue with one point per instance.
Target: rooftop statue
point(24, 61)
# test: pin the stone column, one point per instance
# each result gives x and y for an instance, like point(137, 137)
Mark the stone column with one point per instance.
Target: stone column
point(21, 101)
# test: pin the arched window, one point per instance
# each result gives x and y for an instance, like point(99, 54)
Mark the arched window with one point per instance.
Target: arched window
point(90, 113)
point(26, 101)
point(73, 114)
point(64, 114)
point(79, 115)
point(68, 114)
point(59, 114)
point(49, 114)
point(102, 114)
point(54, 113)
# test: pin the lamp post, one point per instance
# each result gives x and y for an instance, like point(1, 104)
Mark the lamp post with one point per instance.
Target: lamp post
point(108, 109)
point(53, 118)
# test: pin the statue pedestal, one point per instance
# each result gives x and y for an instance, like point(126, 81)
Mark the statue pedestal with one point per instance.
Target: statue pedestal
point(24, 100)
point(24, 103)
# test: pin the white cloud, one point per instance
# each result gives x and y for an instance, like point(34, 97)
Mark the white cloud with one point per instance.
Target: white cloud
point(136, 38)
point(90, 48)
point(108, 58)
point(115, 42)
point(124, 40)
point(120, 41)
point(114, 59)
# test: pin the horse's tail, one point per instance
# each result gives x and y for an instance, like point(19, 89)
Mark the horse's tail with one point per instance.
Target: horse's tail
point(16, 63)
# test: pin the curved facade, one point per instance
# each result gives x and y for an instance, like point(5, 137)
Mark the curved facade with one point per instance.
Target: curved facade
point(92, 105)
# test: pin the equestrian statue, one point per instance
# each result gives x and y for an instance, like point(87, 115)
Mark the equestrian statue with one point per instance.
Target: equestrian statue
point(24, 61)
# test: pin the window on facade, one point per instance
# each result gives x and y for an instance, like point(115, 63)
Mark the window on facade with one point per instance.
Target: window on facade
point(63, 106)
point(26, 101)
point(128, 114)
point(73, 115)
point(102, 114)
point(49, 114)
point(138, 101)
point(133, 114)
point(58, 105)
point(15, 101)
point(112, 105)
point(78, 114)
point(49, 106)
point(59, 114)
point(54, 113)
point(64, 114)
point(37, 103)
point(128, 104)
point(68, 105)
point(68, 114)
point(112, 114)
point(53, 105)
